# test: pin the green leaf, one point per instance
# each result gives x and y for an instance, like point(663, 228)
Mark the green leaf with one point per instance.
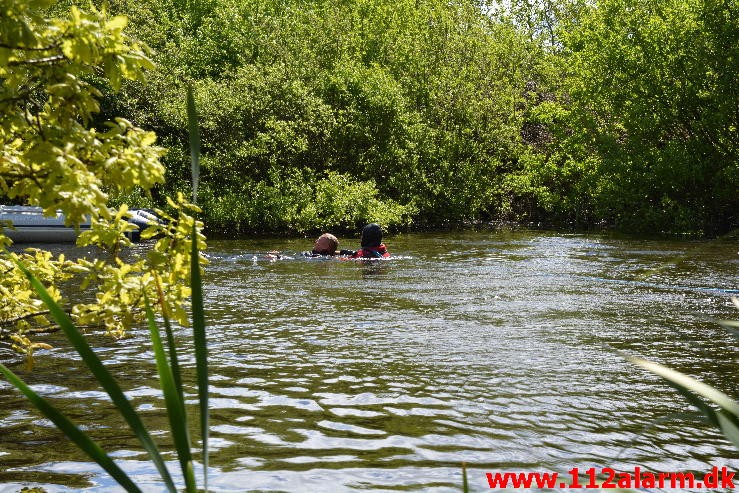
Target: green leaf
point(690, 384)
point(84, 442)
point(175, 405)
point(102, 375)
point(201, 347)
point(730, 325)
point(727, 420)
point(174, 360)
point(192, 122)
point(699, 403)
point(117, 23)
point(730, 429)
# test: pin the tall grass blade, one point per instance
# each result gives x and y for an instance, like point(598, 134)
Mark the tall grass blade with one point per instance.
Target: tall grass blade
point(465, 484)
point(710, 414)
point(173, 359)
point(175, 405)
point(690, 384)
point(730, 429)
point(102, 375)
point(731, 326)
point(84, 442)
point(201, 347)
point(194, 130)
point(727, 419)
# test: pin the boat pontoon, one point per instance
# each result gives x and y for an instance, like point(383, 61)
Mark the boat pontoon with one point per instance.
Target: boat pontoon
point(25, 224)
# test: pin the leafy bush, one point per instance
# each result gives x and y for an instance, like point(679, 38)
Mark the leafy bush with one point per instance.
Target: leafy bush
point(419, 100)
point(296, 201)
point(614, 112)
point(650, 83)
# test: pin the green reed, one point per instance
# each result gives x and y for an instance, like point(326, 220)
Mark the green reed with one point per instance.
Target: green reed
point(702, 396)
point(170, 379)
point(194, 137)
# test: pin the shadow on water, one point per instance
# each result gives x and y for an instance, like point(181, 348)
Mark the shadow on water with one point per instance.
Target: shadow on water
point(494, 349)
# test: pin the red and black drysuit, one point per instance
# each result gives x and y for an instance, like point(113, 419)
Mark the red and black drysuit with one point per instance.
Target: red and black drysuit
point(372, 252)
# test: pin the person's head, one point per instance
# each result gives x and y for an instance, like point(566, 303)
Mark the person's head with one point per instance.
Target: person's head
point(326, 244)
point(372, 235)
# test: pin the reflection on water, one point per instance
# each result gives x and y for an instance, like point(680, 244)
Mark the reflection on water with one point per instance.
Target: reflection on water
point(494, 349)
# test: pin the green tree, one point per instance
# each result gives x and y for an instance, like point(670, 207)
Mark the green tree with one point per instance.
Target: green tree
point(421, 101)
point(53, 157)
point(654, 84)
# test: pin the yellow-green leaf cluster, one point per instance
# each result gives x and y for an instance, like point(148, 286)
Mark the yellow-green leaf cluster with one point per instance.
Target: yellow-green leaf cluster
point(51, 156)
point(21, 312)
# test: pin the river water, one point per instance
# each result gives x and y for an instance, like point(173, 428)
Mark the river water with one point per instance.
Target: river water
point(498, 349)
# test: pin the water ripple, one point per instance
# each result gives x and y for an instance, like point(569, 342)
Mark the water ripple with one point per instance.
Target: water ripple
point(498, 350)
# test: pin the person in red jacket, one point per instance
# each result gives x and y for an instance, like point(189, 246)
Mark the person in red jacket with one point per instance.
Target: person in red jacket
point(372, 246)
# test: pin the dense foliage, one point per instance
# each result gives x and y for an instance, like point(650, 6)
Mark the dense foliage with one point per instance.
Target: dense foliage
point(615, 112)
point(53, 157)
point(643, 132)
point(325, 114)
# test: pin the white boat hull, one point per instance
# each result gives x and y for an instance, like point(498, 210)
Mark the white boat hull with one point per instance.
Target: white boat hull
point(24, 224)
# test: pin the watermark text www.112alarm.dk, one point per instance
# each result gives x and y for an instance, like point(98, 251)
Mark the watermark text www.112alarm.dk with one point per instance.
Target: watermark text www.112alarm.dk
point(607, 477)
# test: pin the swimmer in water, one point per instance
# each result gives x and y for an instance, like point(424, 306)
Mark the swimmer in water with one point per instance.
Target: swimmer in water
point(372, 245)
point(326, 246)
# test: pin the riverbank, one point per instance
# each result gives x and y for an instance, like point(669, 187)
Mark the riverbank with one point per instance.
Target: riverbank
point(478, 226)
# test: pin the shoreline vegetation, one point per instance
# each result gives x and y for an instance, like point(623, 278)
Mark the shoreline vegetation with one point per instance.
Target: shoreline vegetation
point(475, 225)
point(316, 116)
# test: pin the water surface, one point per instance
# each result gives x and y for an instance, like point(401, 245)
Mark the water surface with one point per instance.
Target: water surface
point(498, 349)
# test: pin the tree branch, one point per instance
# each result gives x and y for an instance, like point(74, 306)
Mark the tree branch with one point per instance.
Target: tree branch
point(49, 60)
point(9, 321)
point(26, 48)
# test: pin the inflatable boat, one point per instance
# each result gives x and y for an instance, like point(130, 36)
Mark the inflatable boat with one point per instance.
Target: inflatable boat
point(25, 224)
